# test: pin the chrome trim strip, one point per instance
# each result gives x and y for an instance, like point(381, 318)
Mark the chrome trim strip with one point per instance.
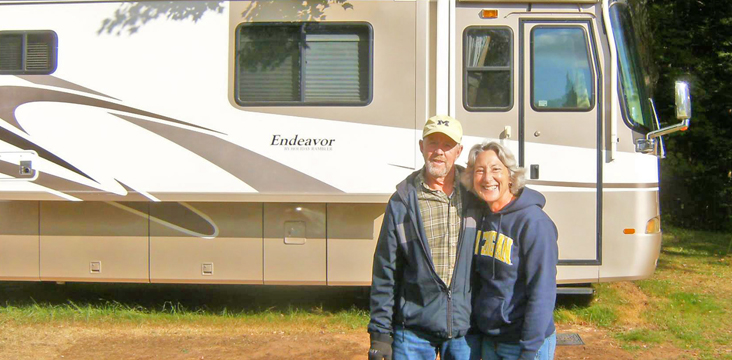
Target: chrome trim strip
point(593, 185)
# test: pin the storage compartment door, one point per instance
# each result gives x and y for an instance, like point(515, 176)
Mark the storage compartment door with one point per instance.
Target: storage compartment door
point(294, 244)
point(206, 243)
point(94, 241)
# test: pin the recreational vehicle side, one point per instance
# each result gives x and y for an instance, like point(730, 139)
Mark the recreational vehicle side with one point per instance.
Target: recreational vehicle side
point(257, 142)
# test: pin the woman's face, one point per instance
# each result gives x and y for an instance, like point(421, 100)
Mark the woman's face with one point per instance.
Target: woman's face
point(491, 180)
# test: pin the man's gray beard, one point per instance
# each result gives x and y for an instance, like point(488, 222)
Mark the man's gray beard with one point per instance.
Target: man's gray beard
point(436, 172)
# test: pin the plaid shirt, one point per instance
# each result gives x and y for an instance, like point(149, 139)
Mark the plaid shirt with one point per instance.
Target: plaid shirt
point(441, 220)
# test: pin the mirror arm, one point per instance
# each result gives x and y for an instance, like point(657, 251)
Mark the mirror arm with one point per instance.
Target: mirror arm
point(661, 151)
point(682, 126)
point(683, 112)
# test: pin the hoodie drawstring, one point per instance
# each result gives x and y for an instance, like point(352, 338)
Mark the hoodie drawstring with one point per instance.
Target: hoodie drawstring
point(495, 244)
point(481, 239)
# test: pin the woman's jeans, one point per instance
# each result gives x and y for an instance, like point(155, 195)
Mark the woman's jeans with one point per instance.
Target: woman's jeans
point(511, 351)
point(415, 345)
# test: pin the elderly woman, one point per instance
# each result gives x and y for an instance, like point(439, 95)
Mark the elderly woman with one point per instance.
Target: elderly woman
point(515, 259)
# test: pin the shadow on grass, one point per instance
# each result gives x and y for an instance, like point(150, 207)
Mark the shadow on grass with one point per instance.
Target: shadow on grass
point(697, 244)
point(677, 267)
point(194, 298)
point(569, 302)
point(692, 251)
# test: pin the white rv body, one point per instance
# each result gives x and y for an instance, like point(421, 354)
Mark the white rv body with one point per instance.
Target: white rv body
point(147, 165)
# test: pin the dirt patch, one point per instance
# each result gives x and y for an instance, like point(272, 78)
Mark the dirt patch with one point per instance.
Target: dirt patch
point(221, 346)
point(634, 304)
point(600, 345)
point(192, 341)
point(181, 342)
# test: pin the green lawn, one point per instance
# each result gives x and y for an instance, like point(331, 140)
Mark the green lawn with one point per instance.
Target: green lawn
point(259, 307)
point(687, 304)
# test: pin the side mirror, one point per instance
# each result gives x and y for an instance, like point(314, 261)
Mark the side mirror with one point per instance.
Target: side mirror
point(683, 101)
point(683, 112)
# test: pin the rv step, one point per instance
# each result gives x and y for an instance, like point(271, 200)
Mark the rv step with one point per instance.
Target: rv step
point(575, 290)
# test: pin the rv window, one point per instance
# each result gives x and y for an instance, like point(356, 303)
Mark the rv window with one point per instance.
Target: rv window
point(632, 77)
point(303, 64)
point(28, 52)
point(487, 76)
point(561, 76)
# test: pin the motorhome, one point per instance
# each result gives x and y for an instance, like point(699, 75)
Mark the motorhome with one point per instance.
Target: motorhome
point(257, 142)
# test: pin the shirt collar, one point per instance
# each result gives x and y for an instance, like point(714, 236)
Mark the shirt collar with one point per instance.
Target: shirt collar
point(420, 184)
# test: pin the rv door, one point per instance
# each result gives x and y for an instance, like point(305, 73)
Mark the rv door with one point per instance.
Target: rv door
point(559, 118)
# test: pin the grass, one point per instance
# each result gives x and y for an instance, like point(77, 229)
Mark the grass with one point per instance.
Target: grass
point(259, 307)
point(686, 305)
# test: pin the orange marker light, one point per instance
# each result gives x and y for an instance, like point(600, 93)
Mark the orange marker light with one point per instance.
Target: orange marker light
point(629, 231)
point(489, 14)
point(684, 128)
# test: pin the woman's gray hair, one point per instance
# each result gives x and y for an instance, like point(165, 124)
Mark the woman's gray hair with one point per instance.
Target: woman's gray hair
point(517, 177)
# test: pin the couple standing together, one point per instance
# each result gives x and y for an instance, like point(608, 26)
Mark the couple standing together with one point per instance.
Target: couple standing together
point(465, 264)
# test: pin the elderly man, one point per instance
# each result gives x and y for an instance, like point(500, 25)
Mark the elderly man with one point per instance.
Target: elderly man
point(420, 291)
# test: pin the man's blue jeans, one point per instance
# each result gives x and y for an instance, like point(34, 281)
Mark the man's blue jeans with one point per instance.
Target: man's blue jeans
point(511, 351)
point(415, 345)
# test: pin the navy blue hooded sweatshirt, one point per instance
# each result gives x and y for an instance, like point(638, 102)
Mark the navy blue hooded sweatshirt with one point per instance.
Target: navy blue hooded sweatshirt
point(516, 262)
point(405, 290)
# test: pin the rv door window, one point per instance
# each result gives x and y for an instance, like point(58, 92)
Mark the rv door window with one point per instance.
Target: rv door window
point(28, 52)
point(303, 64)
point(561, 75)
point(487, 60)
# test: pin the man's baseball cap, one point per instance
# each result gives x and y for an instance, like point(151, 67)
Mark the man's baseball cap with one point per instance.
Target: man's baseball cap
point(443, 124)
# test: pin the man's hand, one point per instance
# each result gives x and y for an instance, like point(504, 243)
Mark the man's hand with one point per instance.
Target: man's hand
point(380, 347)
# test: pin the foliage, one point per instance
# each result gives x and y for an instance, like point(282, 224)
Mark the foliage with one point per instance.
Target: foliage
point(130, 17)
point(693, 42)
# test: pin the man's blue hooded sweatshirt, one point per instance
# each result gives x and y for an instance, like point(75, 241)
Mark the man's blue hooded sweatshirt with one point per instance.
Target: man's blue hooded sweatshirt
point(516, 262)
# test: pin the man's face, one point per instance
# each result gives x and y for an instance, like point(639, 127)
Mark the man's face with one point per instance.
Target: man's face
point(439, 152)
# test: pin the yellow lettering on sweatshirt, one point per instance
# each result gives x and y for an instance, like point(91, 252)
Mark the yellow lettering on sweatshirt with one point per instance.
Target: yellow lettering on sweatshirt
point(477, 241)
point(494, 243)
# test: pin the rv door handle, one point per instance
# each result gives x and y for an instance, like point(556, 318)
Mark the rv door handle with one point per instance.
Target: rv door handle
point(295, 233)
point(295, 241)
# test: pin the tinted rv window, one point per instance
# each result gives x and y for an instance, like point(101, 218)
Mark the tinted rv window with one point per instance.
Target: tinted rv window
point(28, 52)
point(561, 77)
point(487, 60)
point(303, 64)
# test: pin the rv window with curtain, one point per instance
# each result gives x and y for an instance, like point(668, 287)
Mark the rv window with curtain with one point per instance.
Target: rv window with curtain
point(28, 52)
point(487, 64)
point(303, 64)
point(561, 75)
